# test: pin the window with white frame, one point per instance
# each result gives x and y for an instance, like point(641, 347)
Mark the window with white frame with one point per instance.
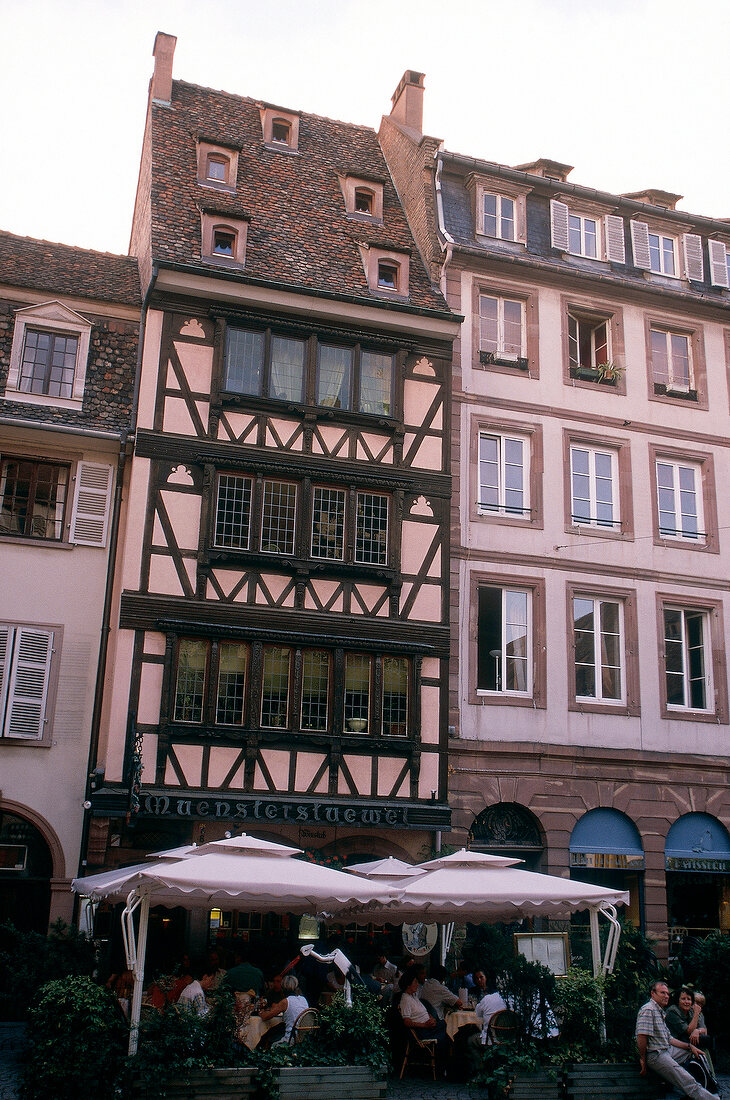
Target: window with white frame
point(687, 658)
point(583, 236)
point(502, 327)
point(48, 357)
point(498, 216)
point(504, 474)
point(663, 254)
point(594, 500)
point(504, 640)
point(589, 342)
point(679, 500)
point(671, 360)
point(598, 635)
point(26, 654)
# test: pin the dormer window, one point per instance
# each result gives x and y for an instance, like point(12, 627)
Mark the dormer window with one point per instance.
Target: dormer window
point(387, 275)
point(223, 242)
point(48, 357)
point(217, 166)
point(280, 128)
point(281, 131)
point(499, 209)
point(363, 201)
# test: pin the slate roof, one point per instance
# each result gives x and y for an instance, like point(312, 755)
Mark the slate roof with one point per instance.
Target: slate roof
point(62, 269)
point(299, 234)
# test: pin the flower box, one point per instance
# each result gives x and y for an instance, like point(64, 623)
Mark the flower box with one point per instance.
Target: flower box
point(329, 1083)
point(545, 1084)
point(235, 1083)
point(593, 1079)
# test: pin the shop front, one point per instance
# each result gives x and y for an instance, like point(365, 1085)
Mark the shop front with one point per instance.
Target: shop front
point(697, 861)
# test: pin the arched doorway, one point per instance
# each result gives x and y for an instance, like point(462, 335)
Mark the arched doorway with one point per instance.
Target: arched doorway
point(26, 869)
point(508, 829)
point(606, 849)
point(697, 862)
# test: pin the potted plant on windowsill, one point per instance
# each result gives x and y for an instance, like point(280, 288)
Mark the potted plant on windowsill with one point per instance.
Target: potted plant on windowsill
point(607, 374)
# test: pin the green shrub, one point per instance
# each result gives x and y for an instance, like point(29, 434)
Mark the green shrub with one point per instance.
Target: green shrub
point(77, 1041)
point(28, 960)
point(579, 1011)
point(627, 988)
point(709, 961)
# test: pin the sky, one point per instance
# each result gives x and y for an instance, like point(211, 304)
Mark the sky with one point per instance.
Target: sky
point(633, 93)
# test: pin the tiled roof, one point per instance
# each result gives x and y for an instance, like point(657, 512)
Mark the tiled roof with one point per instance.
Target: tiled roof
point(63, 269)
point(299, 233)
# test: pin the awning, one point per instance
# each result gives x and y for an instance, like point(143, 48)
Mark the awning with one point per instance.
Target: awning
point(606, 839)
point(698, 842)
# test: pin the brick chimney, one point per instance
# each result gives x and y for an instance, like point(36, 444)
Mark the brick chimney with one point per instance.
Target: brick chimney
point(408, 101)
point(163, 53)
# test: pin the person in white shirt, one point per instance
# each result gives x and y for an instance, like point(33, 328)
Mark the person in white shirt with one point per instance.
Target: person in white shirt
point(192, 998)
point(489, 1003)
point(437, 993)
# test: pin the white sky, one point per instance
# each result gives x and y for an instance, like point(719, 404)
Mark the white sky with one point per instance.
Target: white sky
point(634, 93)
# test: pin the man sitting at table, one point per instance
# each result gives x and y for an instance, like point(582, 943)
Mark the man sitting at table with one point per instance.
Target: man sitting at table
point(437, 994)
point(243, 976)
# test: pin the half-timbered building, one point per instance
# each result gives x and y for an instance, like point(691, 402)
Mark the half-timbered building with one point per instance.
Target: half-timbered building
point(280, 663)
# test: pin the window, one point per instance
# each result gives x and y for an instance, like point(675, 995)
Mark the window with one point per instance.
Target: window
point(663, 254)
point(498, 216)
point(224, 242)
point(671, 361)
point(588, 342)
point(593, 477)
point(657, 249)
point(280, 128)
point(599, 649)
point(363, 201)
point(679, 500)
point(213, 687)
point(48, 356)
point(387, 275)
point(582, 235)
point(26, 654)
point(263, 364)
point(504, 474)
point(501, 327)
point(719, 263)
point(687, 659)
point(504, 643)
point(32, 498)
point(216, 168)
point(351, 526)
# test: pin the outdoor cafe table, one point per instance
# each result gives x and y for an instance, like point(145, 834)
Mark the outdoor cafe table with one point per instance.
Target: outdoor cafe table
point(457, 1019)
point(254, 1029)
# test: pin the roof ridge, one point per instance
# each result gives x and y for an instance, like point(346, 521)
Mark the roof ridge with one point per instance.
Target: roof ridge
point(63, 244)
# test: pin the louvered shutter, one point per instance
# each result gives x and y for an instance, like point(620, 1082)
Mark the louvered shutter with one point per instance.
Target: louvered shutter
point(640, 245)
point(615, 244)
point(6, 638)
point(90, 512)
point(559, 225)
point(693, 263)
point(718, 264)
point(28, 687)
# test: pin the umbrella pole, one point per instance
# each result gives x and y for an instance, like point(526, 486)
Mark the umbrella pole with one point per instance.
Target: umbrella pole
point(135, 953)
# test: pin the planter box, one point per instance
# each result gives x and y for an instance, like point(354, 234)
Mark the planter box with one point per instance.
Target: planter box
point(542, 1085)
point(329, 1083)
point(586, 1082)
point(208, 1084)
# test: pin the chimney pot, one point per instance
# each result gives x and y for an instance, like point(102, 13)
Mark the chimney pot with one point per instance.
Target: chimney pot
point(163, 53)
point(407, 101)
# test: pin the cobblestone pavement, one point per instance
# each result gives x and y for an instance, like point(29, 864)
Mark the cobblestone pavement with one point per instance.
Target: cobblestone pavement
point(12, 1042)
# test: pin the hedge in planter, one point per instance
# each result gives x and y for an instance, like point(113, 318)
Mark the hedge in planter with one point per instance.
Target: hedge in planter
point(77, 1042)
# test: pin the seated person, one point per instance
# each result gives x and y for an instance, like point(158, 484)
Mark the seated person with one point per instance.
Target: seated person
point(686, 1022)
point(415, 1014)
point(657, 1045)
point(384, 971)
point(437, 994)
point(461, 978)
point(243, 976)
point(214, 973)
point(291, 1005)
point(192, 997)
point(490, 1002)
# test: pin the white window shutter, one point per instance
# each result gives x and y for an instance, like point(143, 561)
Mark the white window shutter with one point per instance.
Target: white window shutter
point(640, 245)
point(90, 512)
point(28, 688)
point(615, 244)
point(718, 264)
point(693, 263)
point(559, 225)
point(6, 640)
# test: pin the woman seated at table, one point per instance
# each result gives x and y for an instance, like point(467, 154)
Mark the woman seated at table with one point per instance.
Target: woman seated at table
point(415, 1014)
point(291, 1005)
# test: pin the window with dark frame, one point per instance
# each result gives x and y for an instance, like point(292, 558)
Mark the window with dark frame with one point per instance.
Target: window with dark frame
point(388, 273)
point(48, 363)
point(211, 688)
point(264, 364)
point(32, 498)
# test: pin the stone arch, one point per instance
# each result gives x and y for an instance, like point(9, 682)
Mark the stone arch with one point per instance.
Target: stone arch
point(49, 834)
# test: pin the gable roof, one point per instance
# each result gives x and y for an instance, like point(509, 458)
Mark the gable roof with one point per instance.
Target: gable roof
point(64, 269)
point(299, 234)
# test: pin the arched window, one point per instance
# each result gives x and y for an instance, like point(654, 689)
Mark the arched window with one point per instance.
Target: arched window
point(224, 242)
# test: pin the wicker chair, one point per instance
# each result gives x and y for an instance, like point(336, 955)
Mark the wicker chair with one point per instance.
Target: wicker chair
point(419, 1053)
point(306, 1023)
point(503, 1026)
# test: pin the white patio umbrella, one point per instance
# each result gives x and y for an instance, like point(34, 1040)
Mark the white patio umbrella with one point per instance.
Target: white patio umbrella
point(241, 872)
point(475, 886)
point(388, 868)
